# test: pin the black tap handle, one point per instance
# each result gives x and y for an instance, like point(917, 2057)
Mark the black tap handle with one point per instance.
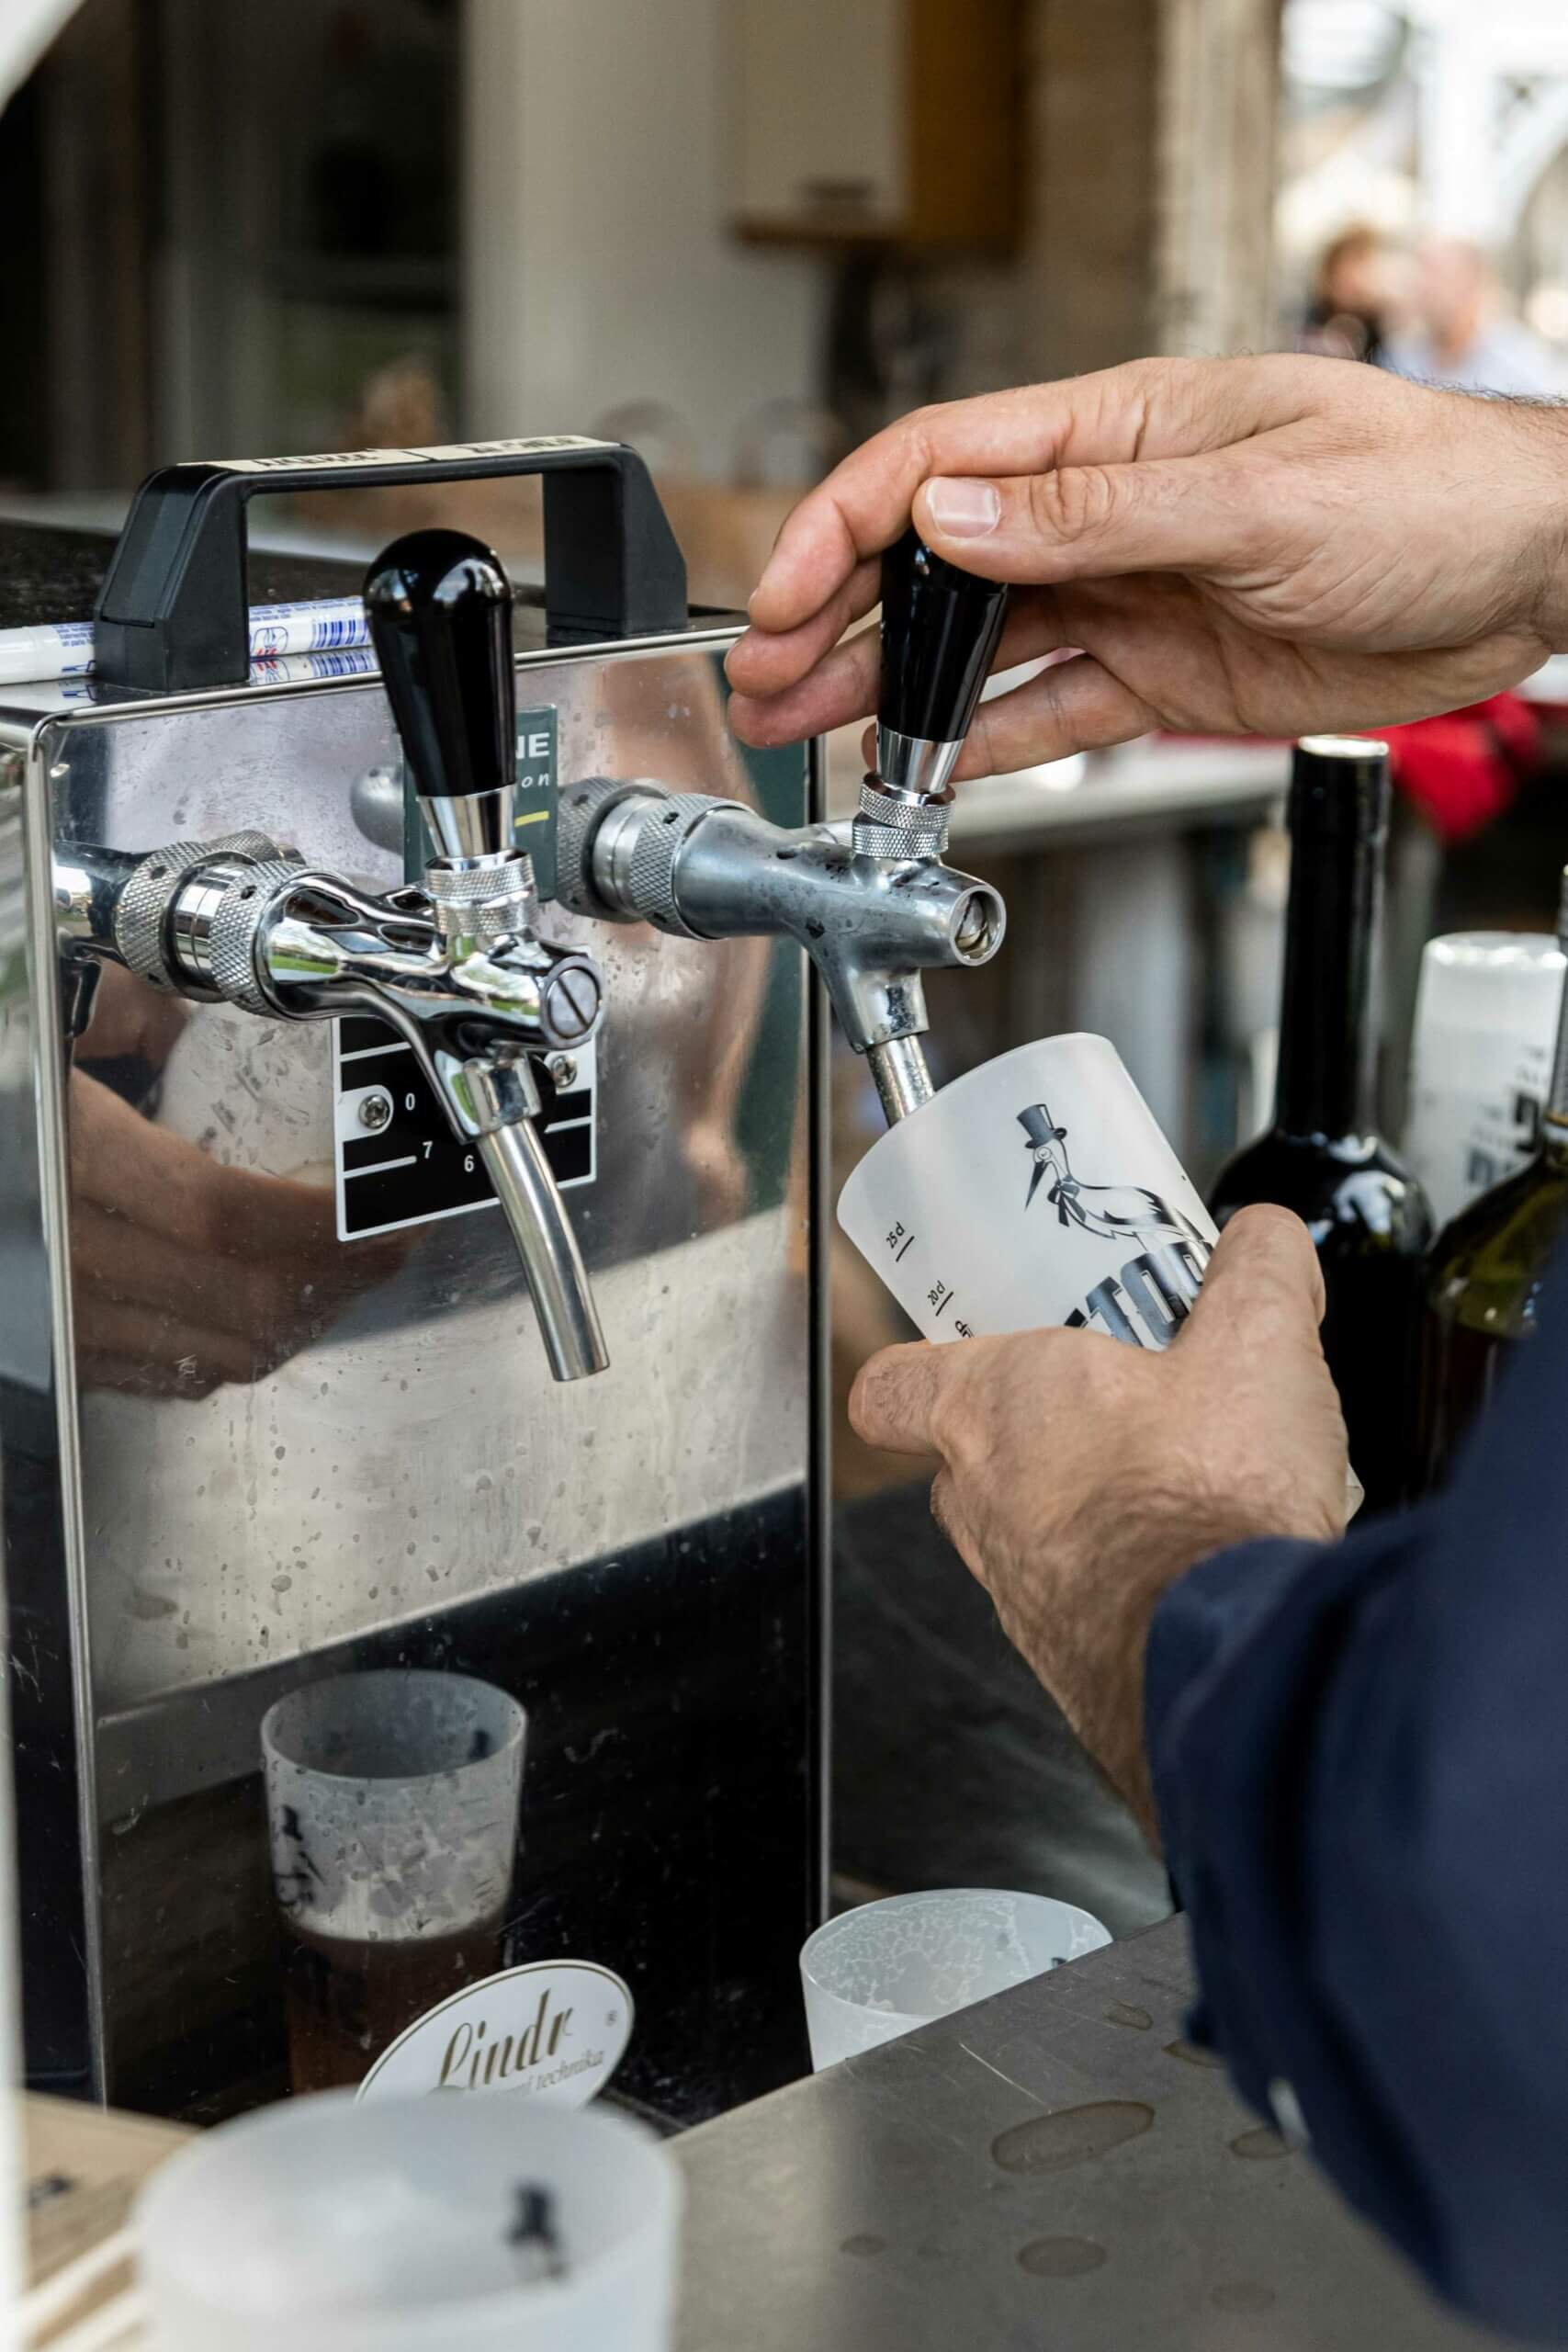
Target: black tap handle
point(939, 627)
point(440, 609)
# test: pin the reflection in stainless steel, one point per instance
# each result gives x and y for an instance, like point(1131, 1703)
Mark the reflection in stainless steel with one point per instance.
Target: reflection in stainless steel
point(237, 1452)
point(459, 969)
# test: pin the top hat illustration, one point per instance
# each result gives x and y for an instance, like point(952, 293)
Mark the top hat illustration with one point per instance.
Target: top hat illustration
point(1041, 1132)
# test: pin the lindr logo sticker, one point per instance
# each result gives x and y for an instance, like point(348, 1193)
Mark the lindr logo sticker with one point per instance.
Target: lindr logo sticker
point(555, 2031)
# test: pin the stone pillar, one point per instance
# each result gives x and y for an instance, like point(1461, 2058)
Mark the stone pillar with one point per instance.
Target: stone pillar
point(600, 263)
point(1151, 213)
point(1219, 105)
point(1090, 225)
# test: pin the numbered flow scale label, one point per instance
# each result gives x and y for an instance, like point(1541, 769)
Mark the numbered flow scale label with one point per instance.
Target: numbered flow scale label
point(398, 1160)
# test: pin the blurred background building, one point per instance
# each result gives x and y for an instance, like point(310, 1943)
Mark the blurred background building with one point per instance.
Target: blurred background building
point(742, 233)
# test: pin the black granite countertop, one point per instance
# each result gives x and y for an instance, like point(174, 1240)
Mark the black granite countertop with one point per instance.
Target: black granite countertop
point(51, 573)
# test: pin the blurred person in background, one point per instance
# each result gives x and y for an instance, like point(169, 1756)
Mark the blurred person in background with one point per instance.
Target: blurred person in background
point(1478, 838)
point(1465, 340)
point(1347, 317)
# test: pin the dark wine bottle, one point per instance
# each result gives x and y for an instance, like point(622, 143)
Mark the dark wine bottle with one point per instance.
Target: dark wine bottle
point(1323, 1157)
point(1485, 1274)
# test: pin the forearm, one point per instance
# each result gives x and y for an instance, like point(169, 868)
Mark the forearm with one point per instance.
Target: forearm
point(1081, 1477)
point(1091, 1646)
point(1529, 514)
point(1096, 1675)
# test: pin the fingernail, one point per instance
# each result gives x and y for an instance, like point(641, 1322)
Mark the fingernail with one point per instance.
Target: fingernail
point(963, 510)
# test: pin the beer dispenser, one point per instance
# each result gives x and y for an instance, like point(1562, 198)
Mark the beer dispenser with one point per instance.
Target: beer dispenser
point(411, 1202)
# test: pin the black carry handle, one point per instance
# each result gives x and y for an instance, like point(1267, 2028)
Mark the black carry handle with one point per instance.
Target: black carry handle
point(175, 611)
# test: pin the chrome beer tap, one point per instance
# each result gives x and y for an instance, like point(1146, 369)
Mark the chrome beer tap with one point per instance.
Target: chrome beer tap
point(454, 964)
point(871, 901)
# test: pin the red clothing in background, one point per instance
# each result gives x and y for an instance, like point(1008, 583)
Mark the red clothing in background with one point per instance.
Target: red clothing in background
point(1463, 769)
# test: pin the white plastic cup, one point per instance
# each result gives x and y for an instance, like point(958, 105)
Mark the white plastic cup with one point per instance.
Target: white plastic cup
point(1480, 1061)
point(881, 1971)
point(325, 2226)
point(392, 1803)
point(1037, 1190)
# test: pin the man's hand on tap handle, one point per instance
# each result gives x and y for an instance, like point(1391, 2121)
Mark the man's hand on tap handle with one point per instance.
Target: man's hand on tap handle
point(1231, 546)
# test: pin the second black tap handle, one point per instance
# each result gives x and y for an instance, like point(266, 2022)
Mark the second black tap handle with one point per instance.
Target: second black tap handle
point(440, 610)
point(940, 631)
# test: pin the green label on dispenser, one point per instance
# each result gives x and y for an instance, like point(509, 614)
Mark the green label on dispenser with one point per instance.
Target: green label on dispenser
point(534, 827)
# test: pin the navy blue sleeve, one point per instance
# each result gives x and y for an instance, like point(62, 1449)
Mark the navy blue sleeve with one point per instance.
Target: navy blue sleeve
point(1360, 1762)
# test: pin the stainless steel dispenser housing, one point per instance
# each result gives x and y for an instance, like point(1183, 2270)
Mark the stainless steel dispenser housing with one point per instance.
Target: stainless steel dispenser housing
point(273, 1401)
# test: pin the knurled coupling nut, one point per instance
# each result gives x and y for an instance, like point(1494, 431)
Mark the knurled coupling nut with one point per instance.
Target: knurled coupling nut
point(899, 826)
point(236, 922)
point(141, 911)
point(650, 876)
point(485, 901)
point(579, 807)
point(636, 827)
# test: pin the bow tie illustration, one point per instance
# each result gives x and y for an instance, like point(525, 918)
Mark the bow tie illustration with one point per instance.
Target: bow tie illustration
point(1063, 1196)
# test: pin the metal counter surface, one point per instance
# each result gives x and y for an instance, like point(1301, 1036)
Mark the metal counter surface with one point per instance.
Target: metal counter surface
point(1051, 2168)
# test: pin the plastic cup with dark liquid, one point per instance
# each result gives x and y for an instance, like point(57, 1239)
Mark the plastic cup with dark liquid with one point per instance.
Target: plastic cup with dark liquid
point(392, 1803)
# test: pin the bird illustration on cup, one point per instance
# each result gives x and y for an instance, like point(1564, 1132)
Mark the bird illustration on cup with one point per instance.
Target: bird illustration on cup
point(1113, 1212)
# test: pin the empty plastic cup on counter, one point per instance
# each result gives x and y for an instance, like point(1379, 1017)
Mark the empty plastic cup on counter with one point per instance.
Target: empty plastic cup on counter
point(450, 2225)
point(888, 1967)
point(1036, 1189)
